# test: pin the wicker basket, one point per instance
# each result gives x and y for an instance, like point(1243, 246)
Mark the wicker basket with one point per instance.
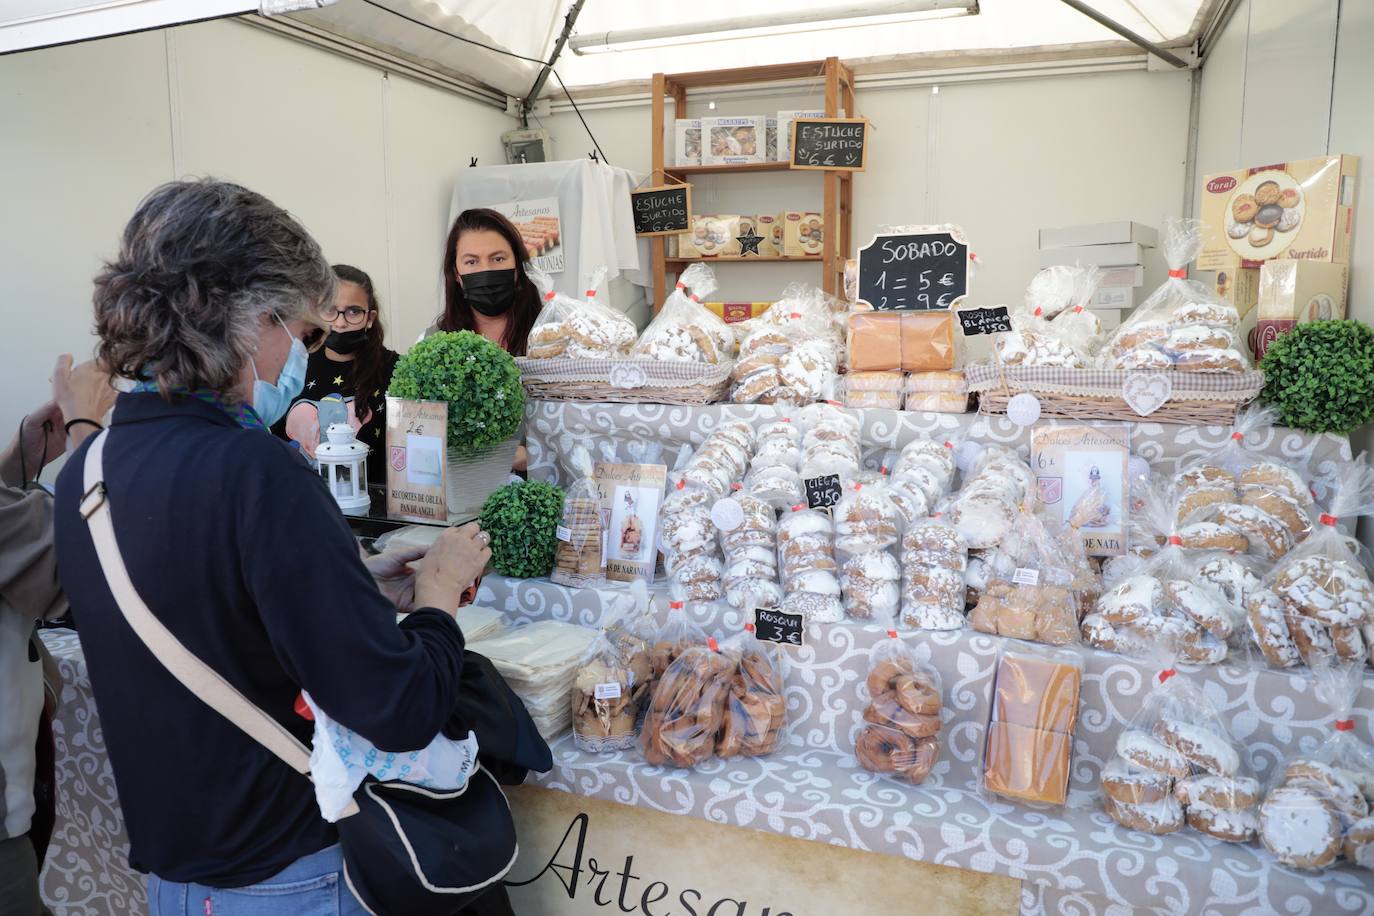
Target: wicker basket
point(625, 381)
point(1198, 398)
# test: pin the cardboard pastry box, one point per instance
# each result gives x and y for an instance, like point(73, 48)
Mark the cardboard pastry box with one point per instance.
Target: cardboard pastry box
point(1296, 292)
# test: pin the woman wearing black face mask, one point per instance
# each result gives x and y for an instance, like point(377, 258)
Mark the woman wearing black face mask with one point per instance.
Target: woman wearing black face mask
point(353, 363)
point(486, 288)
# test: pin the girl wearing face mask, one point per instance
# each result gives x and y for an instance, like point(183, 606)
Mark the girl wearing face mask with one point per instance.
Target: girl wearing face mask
point(485, 286)
point(353, 363)
point(236, 547)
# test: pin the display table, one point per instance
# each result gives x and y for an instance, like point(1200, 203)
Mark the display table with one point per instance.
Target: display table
point(1071, 860)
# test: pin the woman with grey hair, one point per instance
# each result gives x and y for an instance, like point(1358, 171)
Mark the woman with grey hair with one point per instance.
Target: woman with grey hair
point(237, 548)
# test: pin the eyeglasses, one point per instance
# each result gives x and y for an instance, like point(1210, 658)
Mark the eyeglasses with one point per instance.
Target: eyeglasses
point(351, 315)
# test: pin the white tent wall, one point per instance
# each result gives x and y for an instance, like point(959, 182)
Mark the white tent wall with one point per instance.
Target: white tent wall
point(364, 159)
point(1271, 92)
point(1001, 158)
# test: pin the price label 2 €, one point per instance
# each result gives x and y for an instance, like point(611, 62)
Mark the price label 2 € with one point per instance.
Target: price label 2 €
point(823, 492)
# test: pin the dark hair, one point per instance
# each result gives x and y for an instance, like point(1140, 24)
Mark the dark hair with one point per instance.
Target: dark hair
point(200, 265)
point(369, 365)
point(457, 313)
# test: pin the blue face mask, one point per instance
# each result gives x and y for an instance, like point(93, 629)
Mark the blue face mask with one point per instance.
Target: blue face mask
point(272, 401)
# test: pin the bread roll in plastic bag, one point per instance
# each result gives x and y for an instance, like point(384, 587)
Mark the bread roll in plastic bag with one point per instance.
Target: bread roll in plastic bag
point(685, 331)
point(1318, 806)
point(1055, 327)
point(900, 735)
point(755, 716)
point(581, 329)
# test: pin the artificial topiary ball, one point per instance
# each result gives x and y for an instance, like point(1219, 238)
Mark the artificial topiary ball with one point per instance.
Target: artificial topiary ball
point(522, 519)
point(479, 380)
point(1320, 376)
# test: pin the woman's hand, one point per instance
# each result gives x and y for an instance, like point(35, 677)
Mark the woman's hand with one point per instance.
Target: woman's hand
point(40, 438)
point(82, 393)
point(393, 575)
point(457, 558)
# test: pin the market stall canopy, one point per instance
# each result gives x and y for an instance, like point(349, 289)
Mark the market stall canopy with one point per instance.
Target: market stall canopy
point(615, 43)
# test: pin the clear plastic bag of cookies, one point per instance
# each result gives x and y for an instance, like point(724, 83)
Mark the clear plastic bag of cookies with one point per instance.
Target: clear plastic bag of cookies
point(604, 706)
point(1177, 765)
point(579, 329)
point(1319, 804)
point(810, 572)
point(679, 632)
point(1055, 327)
point(580, 560)
point(900, 733)
point(755, 718)
point(934, 589)
point(1165, 602)
point(1030, 589)
point(688, 540)
point(633, 630)
point(867, 527)
point(1320, 592)
point(749, 537)
point(1028, 748)
point(687, 710)
point(1183, 325)
point(685, 331)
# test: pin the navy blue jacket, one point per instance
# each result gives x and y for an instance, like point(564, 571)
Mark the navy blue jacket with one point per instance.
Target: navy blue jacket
point(237, 547)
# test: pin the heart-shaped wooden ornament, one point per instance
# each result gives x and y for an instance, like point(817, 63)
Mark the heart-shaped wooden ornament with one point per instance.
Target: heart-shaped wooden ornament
point(1147, 392)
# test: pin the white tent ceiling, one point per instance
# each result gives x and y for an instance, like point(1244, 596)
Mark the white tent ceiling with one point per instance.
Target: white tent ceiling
point(420, 31)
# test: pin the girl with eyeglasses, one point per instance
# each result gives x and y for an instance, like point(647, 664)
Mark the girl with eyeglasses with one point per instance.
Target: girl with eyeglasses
point(353, 363)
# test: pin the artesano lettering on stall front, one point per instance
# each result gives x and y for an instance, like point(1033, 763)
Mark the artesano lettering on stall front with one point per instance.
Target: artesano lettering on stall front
point(621, 890)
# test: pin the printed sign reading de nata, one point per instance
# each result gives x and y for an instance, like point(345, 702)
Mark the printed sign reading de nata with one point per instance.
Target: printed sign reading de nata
point(630, 495)
point(416, 450)
point(1082, 478)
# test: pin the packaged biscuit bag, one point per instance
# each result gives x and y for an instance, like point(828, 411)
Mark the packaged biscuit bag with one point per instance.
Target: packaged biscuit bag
point(755, 717)
point(900, 735)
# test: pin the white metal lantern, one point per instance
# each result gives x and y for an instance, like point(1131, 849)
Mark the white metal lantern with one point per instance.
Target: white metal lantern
point(343, 465)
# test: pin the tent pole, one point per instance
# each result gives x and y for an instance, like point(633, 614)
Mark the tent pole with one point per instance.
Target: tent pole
point(568, 22)
point(1127, 34)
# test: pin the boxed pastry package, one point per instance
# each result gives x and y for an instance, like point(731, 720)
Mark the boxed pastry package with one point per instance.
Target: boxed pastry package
point(1298, 211)
point(874, 389)
point(803, 234)
point(685, 330)
point(937, 392)
point(688, 707)
point(785, 119)
point(1239, 287)
point(768, 226)
point(587, 329)
point(687, 141)
point(716, 236)
point(755, 716)
point(1182, 325)
point(909, 340)
point(1317, 602)
point(900, 734)
point(580, 560)
point(1317, 809)
point(1055, 326)
point(1296, 292)
point(762, 228)
point(1177, 765)
point(1029, 744)
point(734, 141)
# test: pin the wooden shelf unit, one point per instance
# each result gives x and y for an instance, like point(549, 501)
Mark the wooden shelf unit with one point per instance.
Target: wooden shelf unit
point(838, 198)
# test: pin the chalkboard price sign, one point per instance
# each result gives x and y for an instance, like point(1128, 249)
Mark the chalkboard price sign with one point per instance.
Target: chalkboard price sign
point(823, 492)
point(920, 270)
point(985, 321)
point(663, 210)
point(772, 625)
point(836, 144)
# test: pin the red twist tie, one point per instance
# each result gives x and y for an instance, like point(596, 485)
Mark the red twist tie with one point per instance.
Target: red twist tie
point(736, 486)
point(883, 470)
point(548, 297)
point(798, 507)
point(858, 487)
point(794, 315)
point(1328, 520)
point(302, 708)
point(937, 515)
point(1239, 437)
point(1345, 725)
point(1166, 674)
point(1175, 540)
point(1078, 308)
point(1038, 311)
point(1181, 274)
point(949, 444)
point(892, 634)
point(834, 403)
point(590, 294)
point(711, 644)
point(681, 484)
point(748, 628)
point(675, 605)
point(680, 285)
point(695, 298)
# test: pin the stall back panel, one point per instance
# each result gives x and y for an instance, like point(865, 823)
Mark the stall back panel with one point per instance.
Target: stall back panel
point(85, 136)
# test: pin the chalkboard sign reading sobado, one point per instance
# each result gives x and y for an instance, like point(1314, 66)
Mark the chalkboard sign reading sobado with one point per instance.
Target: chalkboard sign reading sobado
point(992, 320)
point(921, 270)
point(664, 210)
point(830, 143)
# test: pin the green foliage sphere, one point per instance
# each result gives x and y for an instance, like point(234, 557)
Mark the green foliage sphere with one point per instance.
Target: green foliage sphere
point(478, 379)
point(1320, 376)
point(522, 519)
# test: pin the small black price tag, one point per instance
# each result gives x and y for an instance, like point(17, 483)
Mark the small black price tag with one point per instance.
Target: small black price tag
point(772, 625)
point(823, 492)
point(985, 321)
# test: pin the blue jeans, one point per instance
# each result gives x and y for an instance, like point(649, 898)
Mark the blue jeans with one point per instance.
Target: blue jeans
point(312, 885)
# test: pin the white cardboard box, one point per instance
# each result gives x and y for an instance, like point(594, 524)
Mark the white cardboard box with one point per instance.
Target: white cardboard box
point(1122, 254)
point(687, 141)
point(734, 141)
point(1114, 297)
point(785, 119)
point(1099, 234)
point(1130, 275)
